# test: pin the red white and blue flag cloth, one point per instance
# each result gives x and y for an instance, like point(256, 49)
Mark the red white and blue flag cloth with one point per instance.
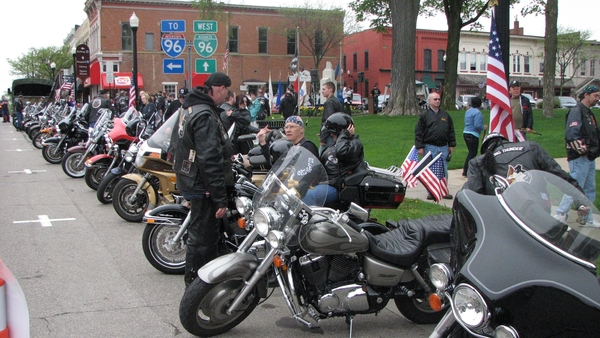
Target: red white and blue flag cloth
point(501, 119)
point(434, 179)
point(409, 164)
point(132, 97)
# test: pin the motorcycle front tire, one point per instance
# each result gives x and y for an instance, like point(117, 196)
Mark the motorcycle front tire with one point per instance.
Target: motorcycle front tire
point(155, 242)
point(69, 164)
point(203, 307)
point(52, 155)
point(38, 138)
point(105, 188)
point(417, 310)
point(131, 211)
point(93, 176)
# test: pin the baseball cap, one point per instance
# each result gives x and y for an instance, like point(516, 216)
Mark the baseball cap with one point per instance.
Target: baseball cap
point(515, 83)
point(218, 79)
point(183, 92)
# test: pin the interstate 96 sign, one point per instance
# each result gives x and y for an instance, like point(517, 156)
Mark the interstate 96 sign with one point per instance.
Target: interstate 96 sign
point(205, 44)
point(173, 44)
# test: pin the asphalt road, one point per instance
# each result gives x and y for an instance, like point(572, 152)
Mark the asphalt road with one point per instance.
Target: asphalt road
point(84, 274)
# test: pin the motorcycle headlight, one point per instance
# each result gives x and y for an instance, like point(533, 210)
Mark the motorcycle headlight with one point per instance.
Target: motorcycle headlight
point(243, 204)
point(505, 332)
point(470, 307)
point(265, 219)
point(440, 275)
point(276, 239)
point(129, 157)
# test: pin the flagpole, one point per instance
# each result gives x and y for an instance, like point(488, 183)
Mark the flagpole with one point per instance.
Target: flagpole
point(341, 70)
point(227, 44)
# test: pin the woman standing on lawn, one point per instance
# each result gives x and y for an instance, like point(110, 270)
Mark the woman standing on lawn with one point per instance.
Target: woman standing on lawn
point(473, 128)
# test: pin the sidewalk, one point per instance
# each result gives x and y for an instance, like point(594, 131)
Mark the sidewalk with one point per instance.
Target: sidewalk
point(456, 181)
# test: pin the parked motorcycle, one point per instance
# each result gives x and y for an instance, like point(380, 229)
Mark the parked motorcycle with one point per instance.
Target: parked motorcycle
point(325, 264)
point(72, 132)
point(516, 271)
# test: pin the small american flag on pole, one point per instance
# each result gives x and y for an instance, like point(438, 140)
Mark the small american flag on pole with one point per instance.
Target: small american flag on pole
point(132, 97)
point(226, 55)
point(501, 119)
point(434, 180)
point(411, 161)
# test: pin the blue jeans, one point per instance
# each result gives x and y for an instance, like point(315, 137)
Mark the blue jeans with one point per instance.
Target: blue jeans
point(584, 172)
point(18, 120)
point(320, 195)
point(436, 150)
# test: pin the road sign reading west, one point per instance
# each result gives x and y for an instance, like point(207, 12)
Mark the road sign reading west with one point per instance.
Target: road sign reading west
point(206, 66)
point(205, 26)
point(172, 26)
point(173, 66)
point(205, 44)
point(173, 44)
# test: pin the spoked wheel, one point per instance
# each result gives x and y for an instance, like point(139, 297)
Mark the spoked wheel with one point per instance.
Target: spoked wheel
point(130, 208)
point(38, 138)
point(52, 153)
point(105, 188)
point(93, 176)
point(203, 308)
point(73, 164)
point(160, 250)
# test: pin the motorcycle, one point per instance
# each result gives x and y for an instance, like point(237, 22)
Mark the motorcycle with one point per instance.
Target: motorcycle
point(72, 132)
point(117, 139)
point(325, 264)
point(515, 270)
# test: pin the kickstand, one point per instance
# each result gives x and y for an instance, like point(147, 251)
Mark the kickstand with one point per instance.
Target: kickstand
point(349, 321)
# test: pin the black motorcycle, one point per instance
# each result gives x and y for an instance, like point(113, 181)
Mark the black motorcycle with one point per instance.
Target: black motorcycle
point(515, 270)
point(73, 131)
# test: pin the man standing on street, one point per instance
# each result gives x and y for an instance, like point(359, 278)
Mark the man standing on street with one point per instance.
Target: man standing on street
point(375, 95)
point(582, 138)
point(203, 168)
point(521, 109)
point(18, 118)
point(434, 133)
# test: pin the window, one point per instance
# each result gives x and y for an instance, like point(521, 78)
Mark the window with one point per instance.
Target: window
point(354, 61)
point(427, 59)
point(473, 62)
point(262, 41)
point(291, 41)
point(344, 63)
point(516, 63)
point(233, 39)
point(462, 60)
point(126, 36)
point(593, 67)
point(583, 68)
point(483, 63)
point(115, 67)
point(526, 60)
point(541, 68)
point(170, 88)
point(319, 43)
point(149, 41)
point(366, 59)
point(441, 62)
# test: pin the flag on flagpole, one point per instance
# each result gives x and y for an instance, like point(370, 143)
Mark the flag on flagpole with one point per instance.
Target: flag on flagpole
point(279, 93)
point(270, 92)
point(434, 180)
point(337, 71)
point(424, 163)
point(501, 119)
point(411, 161)
point(132, 97)
point(226, 57)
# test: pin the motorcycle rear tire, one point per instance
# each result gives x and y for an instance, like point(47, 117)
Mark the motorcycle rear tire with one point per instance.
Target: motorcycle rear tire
point(52, 155)
point(214, 298)
point(417, 310)
point(70, 167)
point(155, 242)
point(131, 212)
point(93, 176)
point(105, 188)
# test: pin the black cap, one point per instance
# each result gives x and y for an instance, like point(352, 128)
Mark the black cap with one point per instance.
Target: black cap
point(515, 83)
point(218, 79)
point(103, 91)
point(183, 92)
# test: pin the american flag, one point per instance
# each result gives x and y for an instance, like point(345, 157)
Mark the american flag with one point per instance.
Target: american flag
point(501, 119)
point(433, 178)
point(411, 180)
point(411, 161)
point(67, 85)
point(226, 57)
point(132, 97)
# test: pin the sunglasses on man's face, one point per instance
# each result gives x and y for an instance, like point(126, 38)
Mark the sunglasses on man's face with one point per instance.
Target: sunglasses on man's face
point(437, 99)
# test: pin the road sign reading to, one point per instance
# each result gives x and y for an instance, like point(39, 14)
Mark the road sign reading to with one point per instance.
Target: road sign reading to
point(205, 26)
point(173, 66)
point(173, 44)
point(82, 61)
point(172, 26)
point(205, 44)
point(206, 66)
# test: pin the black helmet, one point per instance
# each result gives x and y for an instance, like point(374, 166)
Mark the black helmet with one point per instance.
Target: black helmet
point(131, 127)
point(491, 138)
point(277, 149)
point(338, 122)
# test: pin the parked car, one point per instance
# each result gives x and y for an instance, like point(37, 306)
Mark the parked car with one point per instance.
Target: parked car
point(464, 101)
point(567, 102)
point(533, 102)
point(382, 101)
point(356, 100)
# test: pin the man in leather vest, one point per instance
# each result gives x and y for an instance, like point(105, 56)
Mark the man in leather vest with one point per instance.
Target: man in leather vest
point(203, 168)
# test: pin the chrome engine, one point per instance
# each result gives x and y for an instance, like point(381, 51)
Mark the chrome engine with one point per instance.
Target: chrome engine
point(344, 299)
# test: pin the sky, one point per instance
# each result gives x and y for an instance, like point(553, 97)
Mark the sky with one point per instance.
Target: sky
point(43, 23)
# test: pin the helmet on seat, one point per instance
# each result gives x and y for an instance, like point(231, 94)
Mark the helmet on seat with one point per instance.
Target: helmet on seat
point(491, 138)
point(277, 148)
point(131, 127)
point(338, 122)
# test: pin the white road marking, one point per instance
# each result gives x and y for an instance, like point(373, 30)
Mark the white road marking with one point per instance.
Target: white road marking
point(18, 150)
point(26, 171)
point(44, 220)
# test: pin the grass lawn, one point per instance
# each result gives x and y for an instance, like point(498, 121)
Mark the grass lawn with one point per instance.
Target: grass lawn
point(387, 141)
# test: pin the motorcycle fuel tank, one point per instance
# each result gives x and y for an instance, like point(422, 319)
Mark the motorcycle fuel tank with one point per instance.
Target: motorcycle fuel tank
point(324, 237)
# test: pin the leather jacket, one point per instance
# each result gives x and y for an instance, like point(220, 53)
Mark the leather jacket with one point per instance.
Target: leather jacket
point(582, 134)
point(342, 157)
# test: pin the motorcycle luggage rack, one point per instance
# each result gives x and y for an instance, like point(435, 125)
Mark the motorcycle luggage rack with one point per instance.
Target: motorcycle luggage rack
point(391, 172)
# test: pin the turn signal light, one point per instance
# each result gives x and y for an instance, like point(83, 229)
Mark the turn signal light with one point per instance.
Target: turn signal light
point(241, 223)
point(435, 302)
point(277, 262)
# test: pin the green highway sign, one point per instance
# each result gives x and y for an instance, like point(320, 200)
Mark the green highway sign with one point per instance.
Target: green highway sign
point(206, 66)
point(205, 26)
point(205, 44)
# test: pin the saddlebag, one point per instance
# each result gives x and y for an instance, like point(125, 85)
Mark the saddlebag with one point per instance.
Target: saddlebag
point(374, 190)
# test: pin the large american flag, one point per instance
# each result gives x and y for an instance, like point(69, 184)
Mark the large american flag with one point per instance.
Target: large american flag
point(226, 57)
point(411, 161)
point(501, 119)
point(132, 97)
point(433, 178)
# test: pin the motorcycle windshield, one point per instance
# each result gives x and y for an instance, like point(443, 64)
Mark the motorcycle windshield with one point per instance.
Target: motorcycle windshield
point(162, 137)
point(295, 173)
point(547, 206)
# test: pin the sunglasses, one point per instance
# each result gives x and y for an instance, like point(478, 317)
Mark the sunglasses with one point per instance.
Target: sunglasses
point(436, 99)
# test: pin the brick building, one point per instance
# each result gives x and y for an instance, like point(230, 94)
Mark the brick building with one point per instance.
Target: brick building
point(259, 42)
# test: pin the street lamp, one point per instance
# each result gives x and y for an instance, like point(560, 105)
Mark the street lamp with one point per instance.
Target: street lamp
point(53, 68)
point(134, 22)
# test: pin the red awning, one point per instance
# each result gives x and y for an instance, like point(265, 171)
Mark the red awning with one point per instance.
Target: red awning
point(94, 78)
point(122, 80)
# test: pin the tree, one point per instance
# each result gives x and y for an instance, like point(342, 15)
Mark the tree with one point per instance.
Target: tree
point(570, 52)
point(36, 62)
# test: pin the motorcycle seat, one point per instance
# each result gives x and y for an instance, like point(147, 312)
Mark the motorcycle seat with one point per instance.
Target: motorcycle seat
point(403, 245)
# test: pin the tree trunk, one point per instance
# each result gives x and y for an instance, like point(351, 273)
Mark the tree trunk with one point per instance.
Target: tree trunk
point(403, 98)
point(451, 66)
point(550, 45)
